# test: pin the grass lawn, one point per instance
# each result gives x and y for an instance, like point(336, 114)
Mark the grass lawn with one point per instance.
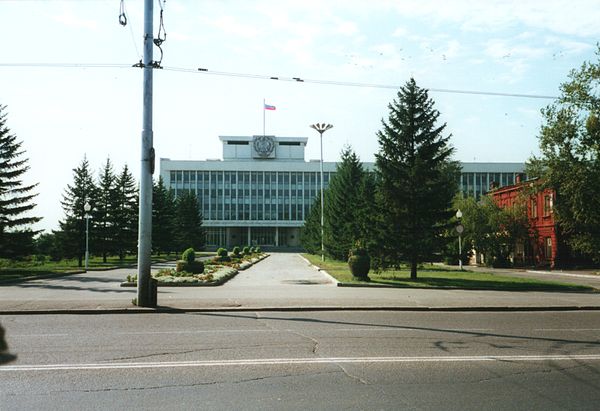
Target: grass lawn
point(434, 277)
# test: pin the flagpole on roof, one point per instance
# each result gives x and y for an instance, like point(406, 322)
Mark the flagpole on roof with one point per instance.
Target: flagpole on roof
point(263, 110)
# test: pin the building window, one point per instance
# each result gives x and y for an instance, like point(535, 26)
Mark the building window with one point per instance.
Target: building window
point(534, 213)
point(548, 248)
point(547, 205)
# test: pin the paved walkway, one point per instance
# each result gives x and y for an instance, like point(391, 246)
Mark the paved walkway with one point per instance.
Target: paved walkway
point(282, 281)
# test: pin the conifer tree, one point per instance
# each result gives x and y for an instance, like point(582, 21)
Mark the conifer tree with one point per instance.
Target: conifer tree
point(189, 230)
point(16, 198)
point(310, 234)
point(163, 218)
point(104, 227)
point(125, 213)
point(417, 179)
point(72, 229)
point(343, 206)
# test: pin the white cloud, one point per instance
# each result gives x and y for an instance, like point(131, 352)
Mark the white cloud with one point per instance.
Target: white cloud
point(400, 32)
point(346, 28)
point(559, 16)
point(512, 49)
point(68, 18)
point(230, 25)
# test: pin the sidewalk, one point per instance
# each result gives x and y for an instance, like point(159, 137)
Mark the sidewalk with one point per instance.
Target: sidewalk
point(580, 277)
point(280, 282)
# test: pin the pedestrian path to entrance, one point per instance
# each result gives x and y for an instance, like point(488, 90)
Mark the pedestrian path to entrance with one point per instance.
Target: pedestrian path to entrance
point(280, 269)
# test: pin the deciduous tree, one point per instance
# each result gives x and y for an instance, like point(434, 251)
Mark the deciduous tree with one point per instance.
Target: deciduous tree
point(570, 159)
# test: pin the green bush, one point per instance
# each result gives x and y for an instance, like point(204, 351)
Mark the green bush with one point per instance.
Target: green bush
point(257, 250)
point(194, 267)
point(359, 263)
point(189, 255)
point(197, 267)
point(180, 266)
point(222, 252)
point(236, 252)
point(246, 250)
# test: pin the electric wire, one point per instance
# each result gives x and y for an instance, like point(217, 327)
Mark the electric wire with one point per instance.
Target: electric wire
point(161, 37)
point(205, 71)
point(125, 21)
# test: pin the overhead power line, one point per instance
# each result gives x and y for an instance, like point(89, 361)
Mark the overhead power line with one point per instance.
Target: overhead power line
point(204, 71)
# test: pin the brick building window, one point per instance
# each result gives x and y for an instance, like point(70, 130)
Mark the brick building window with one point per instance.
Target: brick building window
point(534, 213)
point(548, 247)
point(547, 205)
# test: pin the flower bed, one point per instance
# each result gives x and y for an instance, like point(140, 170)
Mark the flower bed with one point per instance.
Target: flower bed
point(215, 273)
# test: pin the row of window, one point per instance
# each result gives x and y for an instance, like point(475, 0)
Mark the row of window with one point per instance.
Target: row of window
point(478, 184)
point(547, 208)
point(281, 195)
point(251, 195)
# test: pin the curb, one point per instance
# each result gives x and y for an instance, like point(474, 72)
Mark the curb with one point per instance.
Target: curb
point(329, 276)
point(564, 274)
point(173, 310)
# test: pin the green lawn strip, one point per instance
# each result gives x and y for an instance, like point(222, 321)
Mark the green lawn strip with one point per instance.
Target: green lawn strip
point(95, 264)
point(434, 277)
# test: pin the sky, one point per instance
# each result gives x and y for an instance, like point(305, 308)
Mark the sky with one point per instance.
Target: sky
point(70, 91)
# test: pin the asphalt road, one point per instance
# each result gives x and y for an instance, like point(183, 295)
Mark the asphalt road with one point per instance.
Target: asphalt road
point(304, 360)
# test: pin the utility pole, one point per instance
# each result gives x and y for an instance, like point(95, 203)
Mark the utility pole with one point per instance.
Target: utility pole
point(146, 294)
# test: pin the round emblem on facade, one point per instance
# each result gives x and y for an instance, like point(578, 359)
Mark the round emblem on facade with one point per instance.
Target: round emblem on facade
point(264, 145)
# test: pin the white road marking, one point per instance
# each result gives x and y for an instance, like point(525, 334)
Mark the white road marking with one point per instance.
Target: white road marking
point(191, 332)
point(40, 335)
point(292, 361)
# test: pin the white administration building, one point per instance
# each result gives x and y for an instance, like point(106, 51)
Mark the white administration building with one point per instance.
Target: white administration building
point(262, 189)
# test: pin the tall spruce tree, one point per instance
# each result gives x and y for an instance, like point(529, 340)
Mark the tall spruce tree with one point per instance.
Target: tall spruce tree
point(310, 234)
point(72, 229)
point(417, 179)
point(189, 230)
point(103, 212)
point(163, 218)
point(343, 206)
point(125, 213)
point(16, 198)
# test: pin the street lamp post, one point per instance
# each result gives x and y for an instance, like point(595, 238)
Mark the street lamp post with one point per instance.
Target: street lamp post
point(459, 229)
point(87, 208)
point(321, 128)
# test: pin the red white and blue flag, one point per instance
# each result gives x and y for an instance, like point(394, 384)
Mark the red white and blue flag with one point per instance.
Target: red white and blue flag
point(269, 107)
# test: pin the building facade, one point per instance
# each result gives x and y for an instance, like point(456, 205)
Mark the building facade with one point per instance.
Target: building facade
point(263, 188)
point(542, 247)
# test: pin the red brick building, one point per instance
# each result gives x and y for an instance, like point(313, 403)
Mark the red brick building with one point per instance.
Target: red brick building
point(541, 250)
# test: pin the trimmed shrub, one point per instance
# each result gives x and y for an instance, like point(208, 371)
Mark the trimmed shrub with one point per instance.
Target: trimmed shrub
point(180, 266)
point(189, 255)
point(359, 263)
point(257, 250)
point(196, 267)
point(236, 252)
point(222, 252)
point(246, 250)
